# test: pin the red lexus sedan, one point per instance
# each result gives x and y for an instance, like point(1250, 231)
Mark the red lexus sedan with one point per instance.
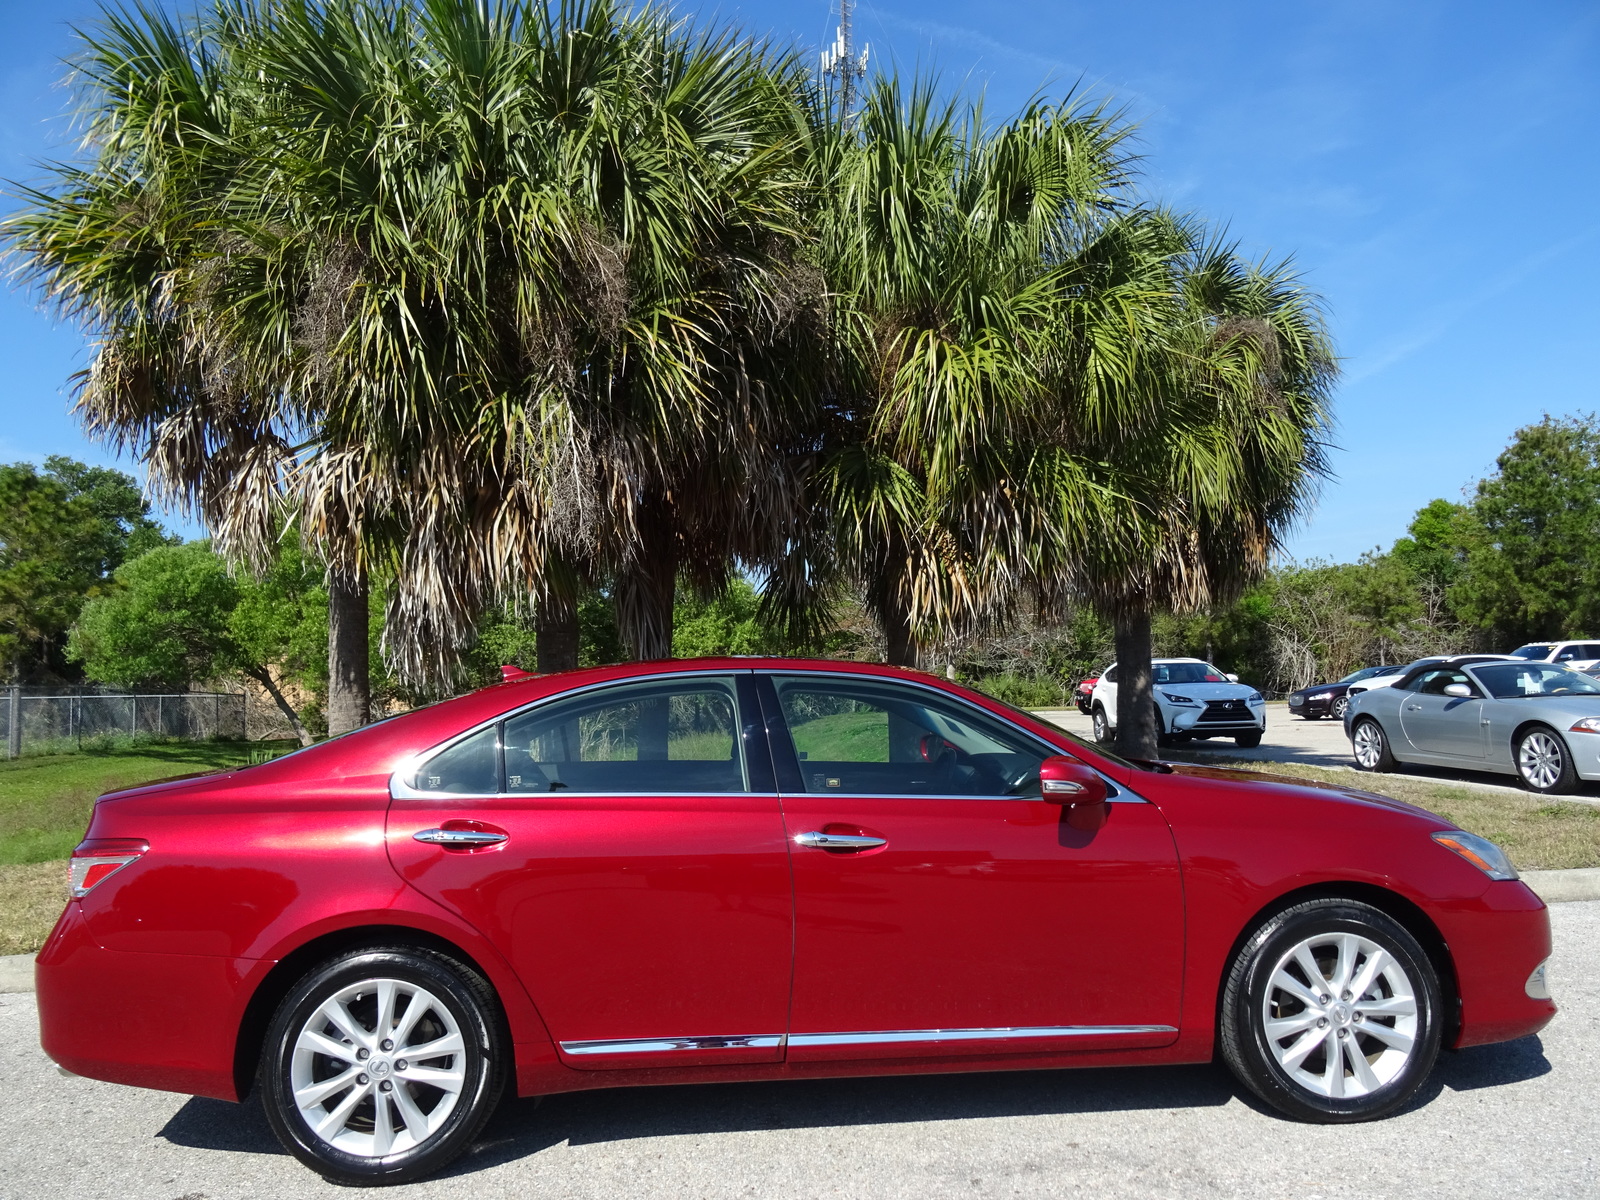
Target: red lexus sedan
point(737, 869)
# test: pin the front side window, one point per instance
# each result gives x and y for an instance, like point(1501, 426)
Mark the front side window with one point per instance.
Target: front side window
point(869, 737)
point(677, 735)
point(1515, 681)
point(1433, 683)
point(1568, 653)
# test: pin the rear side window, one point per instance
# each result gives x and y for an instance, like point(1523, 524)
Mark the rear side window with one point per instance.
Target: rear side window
point(668, 736)
point(469, 768)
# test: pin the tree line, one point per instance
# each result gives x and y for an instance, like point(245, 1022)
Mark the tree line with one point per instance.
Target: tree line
point(499, 306)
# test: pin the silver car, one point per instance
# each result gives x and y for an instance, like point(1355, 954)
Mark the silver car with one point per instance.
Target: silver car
point(1539, 721)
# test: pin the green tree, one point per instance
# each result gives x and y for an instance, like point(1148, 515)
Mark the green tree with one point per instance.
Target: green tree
point(62, 534)
point(1532, 537)
point(177, 617)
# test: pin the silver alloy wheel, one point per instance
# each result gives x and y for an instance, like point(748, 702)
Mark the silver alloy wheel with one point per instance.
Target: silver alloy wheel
point(1540, 758)
point(1340, 706)
point(378, 1068)
point(1367, 745)
point(1101, 725)
point(1340, 1015)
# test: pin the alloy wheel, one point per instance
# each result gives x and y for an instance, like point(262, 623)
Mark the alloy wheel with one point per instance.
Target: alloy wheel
point(1541, 758)
point(378, 1067)
point(1368, 744)
point(1340, 707)
point(1340, 1015)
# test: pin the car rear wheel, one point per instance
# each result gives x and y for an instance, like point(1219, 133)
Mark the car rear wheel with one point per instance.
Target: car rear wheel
point(1370, 745)
point(1544, 763)
point(1331, 1013)
point(1102, 726)
point(381, 1065)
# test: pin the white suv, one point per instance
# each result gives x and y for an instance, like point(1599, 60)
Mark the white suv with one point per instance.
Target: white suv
point(1580, 656)
point(1193, 700)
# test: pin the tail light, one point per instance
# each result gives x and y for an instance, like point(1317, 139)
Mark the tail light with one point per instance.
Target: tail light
point(98, 859)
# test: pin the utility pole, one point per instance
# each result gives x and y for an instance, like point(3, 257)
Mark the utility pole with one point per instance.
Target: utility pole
point(841, 64)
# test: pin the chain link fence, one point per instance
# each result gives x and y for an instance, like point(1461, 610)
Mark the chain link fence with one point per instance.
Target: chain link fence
point(32, 723)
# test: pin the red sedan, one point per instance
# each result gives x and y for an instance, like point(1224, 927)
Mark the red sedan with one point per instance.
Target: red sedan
point(742, 869)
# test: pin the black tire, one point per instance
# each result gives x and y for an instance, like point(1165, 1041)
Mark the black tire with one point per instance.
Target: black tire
point(1311, 716)
point(1102, 726)
point(1549, 773)
point(1247, 741)
point(1393, 1078)
point(463, 995)
point(1380, 757)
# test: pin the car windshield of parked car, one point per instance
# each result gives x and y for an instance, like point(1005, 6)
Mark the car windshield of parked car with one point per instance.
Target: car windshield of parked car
point(1532, 653)
point(1185, 672)
point(1515, 681)
point(1363, 673)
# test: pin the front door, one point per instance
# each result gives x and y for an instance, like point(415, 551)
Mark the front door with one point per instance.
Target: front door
point(1439, 724)
point(641, 890)
point(962, 913)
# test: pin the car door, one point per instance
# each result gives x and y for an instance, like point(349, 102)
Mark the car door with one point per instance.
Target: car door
point(941, 906)
point(1438, 724)
point(631, 863)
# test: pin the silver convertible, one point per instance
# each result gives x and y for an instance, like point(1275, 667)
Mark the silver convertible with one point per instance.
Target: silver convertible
point(1539, 721)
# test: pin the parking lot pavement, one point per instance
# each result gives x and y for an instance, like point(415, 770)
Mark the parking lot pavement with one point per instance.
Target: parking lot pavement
point(1315, 743)
point(1518, 1119)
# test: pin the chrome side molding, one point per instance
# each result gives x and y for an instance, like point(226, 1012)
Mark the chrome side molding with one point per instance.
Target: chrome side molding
point(873, 1037)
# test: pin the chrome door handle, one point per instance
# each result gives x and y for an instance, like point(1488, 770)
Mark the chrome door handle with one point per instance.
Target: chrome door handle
point(458, 837)
point(838, 841)
point(1413, 708)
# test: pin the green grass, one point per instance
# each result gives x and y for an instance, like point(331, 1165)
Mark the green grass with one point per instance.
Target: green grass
point(45, 800)
point(861, 736)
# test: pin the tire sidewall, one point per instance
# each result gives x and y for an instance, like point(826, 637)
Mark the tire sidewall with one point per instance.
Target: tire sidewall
point(1102, 725)
point(479, 1093)
point(1261, 1069)
point(1569, 775)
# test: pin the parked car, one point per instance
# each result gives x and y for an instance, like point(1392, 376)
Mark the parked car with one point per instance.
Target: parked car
point(1535, 720)
point(1194, 700)
point(1391, 675)
point(1580, 656)
point(758, 869)
point(1329, 699)
point(1083, 694)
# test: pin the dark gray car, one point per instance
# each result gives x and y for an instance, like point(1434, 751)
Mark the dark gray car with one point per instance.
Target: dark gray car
point(1539, 721)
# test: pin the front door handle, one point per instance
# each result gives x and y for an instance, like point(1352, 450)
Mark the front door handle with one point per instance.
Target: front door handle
point(1413, 708)
point(463, 838)
point(817, 840)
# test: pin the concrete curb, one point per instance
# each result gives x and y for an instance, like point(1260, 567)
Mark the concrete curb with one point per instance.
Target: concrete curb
point(1553, 887)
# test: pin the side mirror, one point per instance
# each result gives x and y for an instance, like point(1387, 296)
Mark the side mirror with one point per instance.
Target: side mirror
point(1233, 679)
point(1459, 690)
point(1077, 788)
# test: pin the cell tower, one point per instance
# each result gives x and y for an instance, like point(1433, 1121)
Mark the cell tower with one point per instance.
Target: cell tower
point(841, 64)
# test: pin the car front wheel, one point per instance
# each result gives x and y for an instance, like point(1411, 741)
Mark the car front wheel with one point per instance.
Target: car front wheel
point(1340, 706)
point(381, 1065)
point(1370, 746)
point(1247, 741)
point(1102, 726)
point(1331, 1013)
point(1544, 763)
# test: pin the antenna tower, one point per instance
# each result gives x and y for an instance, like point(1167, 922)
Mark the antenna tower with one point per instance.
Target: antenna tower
point(841, 64)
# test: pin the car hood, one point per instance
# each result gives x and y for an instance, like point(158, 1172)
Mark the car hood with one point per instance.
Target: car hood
point(1310, 789)
point(1207, 691)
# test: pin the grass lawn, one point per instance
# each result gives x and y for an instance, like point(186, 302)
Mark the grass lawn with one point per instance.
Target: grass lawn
point(44, 809)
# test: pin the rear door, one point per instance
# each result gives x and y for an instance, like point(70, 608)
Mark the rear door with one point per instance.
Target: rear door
point(632, 867)
point(962, 914)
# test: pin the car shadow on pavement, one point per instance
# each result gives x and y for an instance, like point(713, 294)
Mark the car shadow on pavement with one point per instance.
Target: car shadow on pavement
point(523, 1127)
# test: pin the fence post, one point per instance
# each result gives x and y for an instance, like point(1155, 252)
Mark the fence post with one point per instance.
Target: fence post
point(14, 727)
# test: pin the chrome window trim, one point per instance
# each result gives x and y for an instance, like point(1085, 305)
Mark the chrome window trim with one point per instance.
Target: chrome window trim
point(872, 1037)
point(400, 790)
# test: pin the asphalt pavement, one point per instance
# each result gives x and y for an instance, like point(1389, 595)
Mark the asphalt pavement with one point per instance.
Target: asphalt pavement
point(1521, 1119)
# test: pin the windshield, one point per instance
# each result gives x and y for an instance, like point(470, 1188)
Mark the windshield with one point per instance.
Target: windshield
point(1514, 681)
point(1185, 672)
point(1364, 673)
point(1531, 652)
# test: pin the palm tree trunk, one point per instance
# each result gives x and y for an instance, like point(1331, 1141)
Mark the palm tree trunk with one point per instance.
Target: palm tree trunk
point(349, 689)
point(646, 589)
point(1136, 703)
point(556, 634)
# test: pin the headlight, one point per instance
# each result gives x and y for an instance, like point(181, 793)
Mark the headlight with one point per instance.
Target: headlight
point(1257, 698)
point(1480, 852)
point(1323, 696)
point(1587, 725)
point(1297, 698)
point(1177, 699)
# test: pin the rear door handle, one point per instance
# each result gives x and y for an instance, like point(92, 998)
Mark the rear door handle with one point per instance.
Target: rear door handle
point(817, 840)
point(463, 838)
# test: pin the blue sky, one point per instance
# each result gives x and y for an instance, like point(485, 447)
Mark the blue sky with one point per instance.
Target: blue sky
point(1431, 167)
